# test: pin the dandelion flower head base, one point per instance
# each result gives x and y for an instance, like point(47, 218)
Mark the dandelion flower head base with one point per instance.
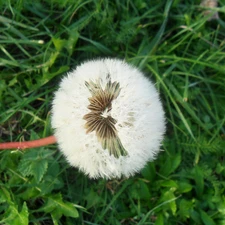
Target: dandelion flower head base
point(108, 119)
point(100, 120)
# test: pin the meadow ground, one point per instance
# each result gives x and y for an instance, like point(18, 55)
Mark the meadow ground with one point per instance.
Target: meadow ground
point(178, 47)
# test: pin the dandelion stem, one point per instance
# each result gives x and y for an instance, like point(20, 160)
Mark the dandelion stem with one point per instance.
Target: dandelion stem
point(28, 144)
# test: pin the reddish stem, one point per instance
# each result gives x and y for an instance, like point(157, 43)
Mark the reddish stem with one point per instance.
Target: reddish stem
point(29, 144)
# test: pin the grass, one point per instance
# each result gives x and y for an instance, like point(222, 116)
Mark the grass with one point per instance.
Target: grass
point(177, 47)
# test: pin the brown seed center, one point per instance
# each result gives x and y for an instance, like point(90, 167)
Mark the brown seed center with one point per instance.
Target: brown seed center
point(99, 118)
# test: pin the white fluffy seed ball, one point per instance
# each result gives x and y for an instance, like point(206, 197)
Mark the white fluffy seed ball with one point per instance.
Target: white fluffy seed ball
point(108, 119)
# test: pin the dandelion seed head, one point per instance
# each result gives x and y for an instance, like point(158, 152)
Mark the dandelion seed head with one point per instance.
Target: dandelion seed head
point(108, 119)
point(211, 4)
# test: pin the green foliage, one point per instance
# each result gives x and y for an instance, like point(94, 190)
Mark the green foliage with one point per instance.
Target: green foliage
point(57, 207)
point(171, 41)
point(12, 215)
point(34, 164)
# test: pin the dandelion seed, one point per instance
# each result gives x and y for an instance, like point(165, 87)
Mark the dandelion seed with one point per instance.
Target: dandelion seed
point(100, 120)
point(108, 119)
